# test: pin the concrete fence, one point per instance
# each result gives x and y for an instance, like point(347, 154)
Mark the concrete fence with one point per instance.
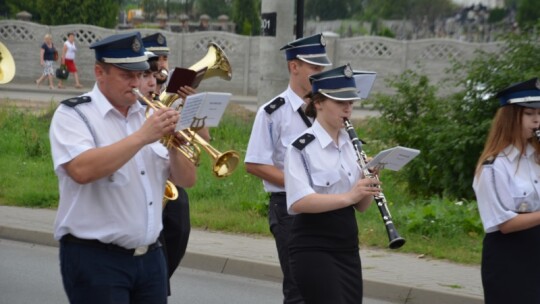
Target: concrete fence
point(387, 57)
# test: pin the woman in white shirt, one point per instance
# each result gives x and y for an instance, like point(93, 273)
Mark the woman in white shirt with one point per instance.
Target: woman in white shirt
point(68, 58)
point(324, 186)
point(507, 190)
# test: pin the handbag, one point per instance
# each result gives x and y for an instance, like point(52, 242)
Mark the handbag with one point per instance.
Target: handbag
point(62, 72)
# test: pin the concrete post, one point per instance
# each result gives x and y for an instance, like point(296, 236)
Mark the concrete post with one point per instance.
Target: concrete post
point(278, 29)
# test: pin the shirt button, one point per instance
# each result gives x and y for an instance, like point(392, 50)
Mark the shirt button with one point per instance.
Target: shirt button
point(524, 193)
point(535, 181)
point(151, 203)
point(328, 183)
point(142, 172)
point(349, 173)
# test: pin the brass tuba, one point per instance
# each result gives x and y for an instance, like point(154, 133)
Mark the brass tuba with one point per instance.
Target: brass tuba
point(216, 63)
point(7, 65)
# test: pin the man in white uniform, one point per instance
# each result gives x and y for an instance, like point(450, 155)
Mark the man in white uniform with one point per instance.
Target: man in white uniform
point(112, 172)
point(277, 124)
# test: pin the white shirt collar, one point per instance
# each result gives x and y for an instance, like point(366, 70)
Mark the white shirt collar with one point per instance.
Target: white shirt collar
point(324, 138)
point(295, 100)
point(104, 106)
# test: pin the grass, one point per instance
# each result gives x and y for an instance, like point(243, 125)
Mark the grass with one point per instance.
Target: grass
point(433, 227)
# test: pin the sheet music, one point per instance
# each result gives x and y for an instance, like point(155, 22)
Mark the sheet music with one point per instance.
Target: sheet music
point(209, 106)
point(394, 158)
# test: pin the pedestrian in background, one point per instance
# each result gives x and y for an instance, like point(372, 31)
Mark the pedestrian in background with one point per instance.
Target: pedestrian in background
point(325, 185)
point(507, 190)
point(46, 58)
point(68, 59)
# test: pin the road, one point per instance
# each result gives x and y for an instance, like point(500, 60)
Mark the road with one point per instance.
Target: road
point(29, 272)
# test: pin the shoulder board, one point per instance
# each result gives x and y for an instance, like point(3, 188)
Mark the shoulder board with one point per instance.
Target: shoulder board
point(274, 105)
point(489, 161)
point(72, 102)
point(303, 141)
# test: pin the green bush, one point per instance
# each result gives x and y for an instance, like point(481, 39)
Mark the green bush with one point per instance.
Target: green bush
point(450, 130)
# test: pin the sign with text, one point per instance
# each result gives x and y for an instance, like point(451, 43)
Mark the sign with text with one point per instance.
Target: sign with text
point(268, 24)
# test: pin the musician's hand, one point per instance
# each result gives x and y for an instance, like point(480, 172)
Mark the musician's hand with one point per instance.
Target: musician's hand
point(162, 122)
point(363, 188)
point(185, 91)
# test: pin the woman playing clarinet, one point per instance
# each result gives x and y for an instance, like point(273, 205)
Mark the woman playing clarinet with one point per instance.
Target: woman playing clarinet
point(324, 186)
point(507, 187)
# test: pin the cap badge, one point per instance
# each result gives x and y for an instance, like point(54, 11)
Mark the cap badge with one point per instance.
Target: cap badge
point(323, 41)
point(348, 72)
point(160, 39)
point(136, 46)
point(538, 84)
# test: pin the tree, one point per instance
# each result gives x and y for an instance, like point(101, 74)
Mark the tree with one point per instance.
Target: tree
point(102, 13)
point(214, 8)
point(246, 16)
point(527, 13)
point(330, 10)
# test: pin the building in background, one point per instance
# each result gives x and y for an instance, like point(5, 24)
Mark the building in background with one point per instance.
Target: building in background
point(489, 3)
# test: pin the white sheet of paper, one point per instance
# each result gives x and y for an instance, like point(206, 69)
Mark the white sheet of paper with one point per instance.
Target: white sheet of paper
point(207, 105)
point(394, 158)
point(364, 82)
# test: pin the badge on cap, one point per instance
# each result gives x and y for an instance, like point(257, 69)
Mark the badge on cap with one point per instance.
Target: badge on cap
point(538, 84)
point(136, 46)
point(348, 72)
point(160, 39)
point(323, 41)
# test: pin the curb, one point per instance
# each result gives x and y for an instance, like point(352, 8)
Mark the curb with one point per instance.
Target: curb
point(269, 272)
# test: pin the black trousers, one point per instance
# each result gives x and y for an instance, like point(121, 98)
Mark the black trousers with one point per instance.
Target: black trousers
point(280, 226)
point(176, 229)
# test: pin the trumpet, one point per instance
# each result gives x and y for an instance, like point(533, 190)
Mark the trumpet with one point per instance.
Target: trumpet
point(395, 240)
point(216, 63)
point(7, 65)
point(223, 164)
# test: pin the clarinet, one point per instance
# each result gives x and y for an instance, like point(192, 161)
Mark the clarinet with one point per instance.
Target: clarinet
point(395, 240)
point(537, 133)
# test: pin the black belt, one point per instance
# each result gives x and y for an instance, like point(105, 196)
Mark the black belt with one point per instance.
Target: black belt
point(112, 247)
point(278, 193)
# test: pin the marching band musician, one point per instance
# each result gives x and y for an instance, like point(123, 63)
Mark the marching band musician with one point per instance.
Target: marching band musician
point(112, 172)
point(324, 186)
point(508, 195)
point(276, 124)
point(176, 218)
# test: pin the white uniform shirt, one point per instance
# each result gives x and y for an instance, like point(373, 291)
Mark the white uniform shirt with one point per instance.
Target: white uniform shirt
point(272, 133)
point(124, 208)
point(507, 186)
point(71, 50)
point(321, 166)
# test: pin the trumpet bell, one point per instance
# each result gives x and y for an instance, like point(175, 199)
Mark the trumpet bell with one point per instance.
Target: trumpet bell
point(225, 164)
point(170, 194)
point(7, 65)
point(216, 62)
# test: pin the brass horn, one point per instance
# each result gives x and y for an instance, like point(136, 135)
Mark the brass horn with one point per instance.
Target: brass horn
point(216, 63)
point(7, 65)
point(223, 164)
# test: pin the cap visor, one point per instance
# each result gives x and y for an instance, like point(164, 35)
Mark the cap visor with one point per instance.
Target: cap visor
point(342, 96)
point(133, 66)
point(161, 53)
point(320, 60)
point(534, 104)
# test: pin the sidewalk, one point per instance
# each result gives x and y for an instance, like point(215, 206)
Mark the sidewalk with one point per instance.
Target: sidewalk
point(29, 91)
point(388, 275)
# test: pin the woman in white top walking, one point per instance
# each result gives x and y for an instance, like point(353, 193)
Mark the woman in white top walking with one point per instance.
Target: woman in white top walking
point(68, 58)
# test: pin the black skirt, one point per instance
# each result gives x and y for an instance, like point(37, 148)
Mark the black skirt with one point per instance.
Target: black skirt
point(511, 267)
point(328, 276)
